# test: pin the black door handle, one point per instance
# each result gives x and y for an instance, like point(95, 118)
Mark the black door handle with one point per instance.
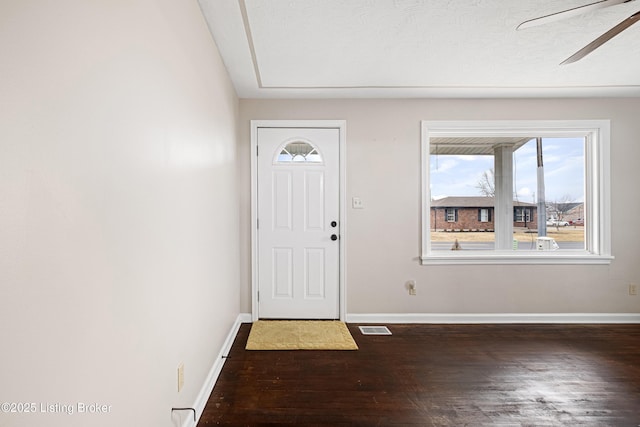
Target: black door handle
point(334, 237)
point(334, 224)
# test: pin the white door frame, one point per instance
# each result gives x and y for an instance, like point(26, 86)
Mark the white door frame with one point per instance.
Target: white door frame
point(341, 125)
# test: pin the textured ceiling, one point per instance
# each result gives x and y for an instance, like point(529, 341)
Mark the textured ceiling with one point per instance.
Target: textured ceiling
point(420, 48)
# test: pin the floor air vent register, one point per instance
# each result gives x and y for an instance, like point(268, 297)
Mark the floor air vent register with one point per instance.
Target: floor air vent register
point(374, 330)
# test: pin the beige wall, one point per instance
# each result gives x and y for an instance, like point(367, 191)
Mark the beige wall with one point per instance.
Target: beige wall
point(383, 240)
point(118, 208)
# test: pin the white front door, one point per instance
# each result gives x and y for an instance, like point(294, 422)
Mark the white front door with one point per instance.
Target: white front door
point(298, 233)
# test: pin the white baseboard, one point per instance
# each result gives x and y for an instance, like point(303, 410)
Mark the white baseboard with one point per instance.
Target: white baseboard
point(453, 318)
point(215, 370)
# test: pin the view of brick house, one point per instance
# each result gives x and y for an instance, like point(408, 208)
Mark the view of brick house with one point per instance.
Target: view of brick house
point(477, 214)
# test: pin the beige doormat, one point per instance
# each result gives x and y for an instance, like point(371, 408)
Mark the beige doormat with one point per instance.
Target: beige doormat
point(300, 335)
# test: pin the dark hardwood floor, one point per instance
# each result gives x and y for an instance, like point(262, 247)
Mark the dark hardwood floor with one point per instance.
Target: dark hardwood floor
point(439, 375)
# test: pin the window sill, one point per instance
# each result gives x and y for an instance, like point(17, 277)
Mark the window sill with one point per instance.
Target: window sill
point(508, 257)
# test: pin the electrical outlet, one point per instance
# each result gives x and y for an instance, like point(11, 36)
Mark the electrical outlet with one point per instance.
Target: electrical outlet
point(633, 290)
point(180, 377)
point(411, 285)
point(356, 203)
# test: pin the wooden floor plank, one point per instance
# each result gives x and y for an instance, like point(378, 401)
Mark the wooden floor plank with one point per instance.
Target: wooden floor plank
point(439, 375)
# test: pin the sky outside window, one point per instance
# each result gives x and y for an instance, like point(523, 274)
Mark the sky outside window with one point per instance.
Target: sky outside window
point(563, 166)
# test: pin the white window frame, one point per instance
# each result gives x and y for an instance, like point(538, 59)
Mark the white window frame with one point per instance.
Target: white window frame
point(525, 214)
point(451, 211)
point(484, 215)
point(597, 189)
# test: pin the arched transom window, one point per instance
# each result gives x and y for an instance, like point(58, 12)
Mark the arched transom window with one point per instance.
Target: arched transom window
point(299, 151)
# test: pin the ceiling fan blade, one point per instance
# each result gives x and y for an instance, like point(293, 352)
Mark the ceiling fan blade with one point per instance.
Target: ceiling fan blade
point(603, 39)
point(569, 13)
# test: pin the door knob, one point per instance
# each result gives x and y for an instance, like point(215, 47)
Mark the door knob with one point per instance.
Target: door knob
point(334, 224)
point(334, 237)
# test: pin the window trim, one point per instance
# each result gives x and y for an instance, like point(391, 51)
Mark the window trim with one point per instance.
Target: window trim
point(597, 189)
point(525, 212)
point(487, 211)
point(454, 214)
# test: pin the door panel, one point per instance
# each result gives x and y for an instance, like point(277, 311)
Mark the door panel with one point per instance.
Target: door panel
point(282, 273)
point(314, 201)
point(314, 273)
point(282, 200)
point(298, 198)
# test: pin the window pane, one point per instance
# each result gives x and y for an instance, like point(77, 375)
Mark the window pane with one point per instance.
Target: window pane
point(463, 194)
point(563, 163)
point(299, 151)
point(461, 213)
